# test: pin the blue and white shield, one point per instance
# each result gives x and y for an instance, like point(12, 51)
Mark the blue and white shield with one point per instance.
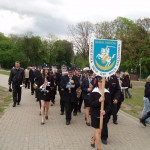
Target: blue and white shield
point(105, 56)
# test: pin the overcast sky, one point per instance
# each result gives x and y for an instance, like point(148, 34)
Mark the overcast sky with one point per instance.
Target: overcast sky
point(53, 16)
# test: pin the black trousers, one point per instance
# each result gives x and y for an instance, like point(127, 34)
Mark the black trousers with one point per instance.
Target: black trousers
point(32, 89)
point(76, 105)
point(69, 108)
point(80, 101)
point(114, 111)
point(16, 93)
point(27, 83)
point(62, 101)
point(104, 135)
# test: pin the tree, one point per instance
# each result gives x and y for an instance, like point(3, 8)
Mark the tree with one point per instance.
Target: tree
point(80, 36)
point(62, 52)
point(103, 30)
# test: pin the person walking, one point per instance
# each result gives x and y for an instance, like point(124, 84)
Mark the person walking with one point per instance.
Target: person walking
point(95, 102)
point(146, 109)
point(128, 84)
point(46, 95)
point(16, 78)
point(27, 81)
point(32, 76)
point(87, 87)
point(69, 83)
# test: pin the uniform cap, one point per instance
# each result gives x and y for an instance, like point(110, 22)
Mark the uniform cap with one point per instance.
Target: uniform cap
point(46, 66)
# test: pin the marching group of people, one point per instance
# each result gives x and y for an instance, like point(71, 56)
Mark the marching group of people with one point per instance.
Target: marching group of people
point(75, 87)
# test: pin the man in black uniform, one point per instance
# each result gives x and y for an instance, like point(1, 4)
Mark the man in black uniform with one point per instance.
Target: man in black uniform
point(31, 77)
point(69, 83)
point(55, 76)
point(61, 89)
point(79, 99)
point(37, 78)
point(16, 78)
point(113, 86)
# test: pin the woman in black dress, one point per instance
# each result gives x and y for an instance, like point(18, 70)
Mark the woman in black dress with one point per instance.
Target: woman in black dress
point(95, 101)
point(46, 92)
point(87, 86)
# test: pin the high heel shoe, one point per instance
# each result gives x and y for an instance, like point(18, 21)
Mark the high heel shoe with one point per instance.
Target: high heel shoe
point(93, 142)
point(88, 124)
point(46, 117)
point(42, 123)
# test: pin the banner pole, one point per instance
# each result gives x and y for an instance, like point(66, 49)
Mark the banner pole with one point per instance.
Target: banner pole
point(102, 103)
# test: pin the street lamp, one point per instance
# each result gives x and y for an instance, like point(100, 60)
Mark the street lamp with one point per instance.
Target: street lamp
point(140, 67)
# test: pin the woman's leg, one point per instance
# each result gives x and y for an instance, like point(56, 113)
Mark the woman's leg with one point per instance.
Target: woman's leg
point(47, 109)
point(43, 110)
point(146, 108)
point(144, 111)
point(98, 138)
point(87, 114)
point(126, 93)
point(129, 95)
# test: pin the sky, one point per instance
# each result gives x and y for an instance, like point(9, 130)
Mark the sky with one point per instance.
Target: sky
point(43, 17)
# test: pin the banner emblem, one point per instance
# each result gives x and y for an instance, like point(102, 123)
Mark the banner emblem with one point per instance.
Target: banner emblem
point(105, 56)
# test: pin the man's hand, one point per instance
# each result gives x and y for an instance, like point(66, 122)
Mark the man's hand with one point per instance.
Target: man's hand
point(89, 90)
point(71, 81)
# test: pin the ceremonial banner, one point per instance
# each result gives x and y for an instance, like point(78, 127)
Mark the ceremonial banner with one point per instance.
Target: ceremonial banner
point(104, 59)
point(104, 56)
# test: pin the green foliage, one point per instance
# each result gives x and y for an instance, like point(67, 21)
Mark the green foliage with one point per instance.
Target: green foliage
point(33, 50)
point(62, 53)
point(80, 61)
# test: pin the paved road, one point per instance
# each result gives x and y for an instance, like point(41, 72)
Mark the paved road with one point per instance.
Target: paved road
point(20, 129)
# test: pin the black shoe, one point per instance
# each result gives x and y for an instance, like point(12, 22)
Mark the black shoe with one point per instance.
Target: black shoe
point(32, 93)
point(115, 122)
point(104, 142)
point(46, 117)
point(67, 122)
point(14, 105)
point(42, 123)
point(92, 142)
point(18, 103)
point(79, 111)
point(88, 124)
point(62, 113)
point(75, 114)
point(143, 121)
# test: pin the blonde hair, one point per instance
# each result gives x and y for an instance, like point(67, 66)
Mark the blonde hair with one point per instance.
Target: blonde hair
point(148, 79)
point(126, 73)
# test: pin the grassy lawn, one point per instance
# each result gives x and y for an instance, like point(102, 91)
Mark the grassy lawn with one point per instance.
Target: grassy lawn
point(5, 100)
point(134, 105)
point(4, 72)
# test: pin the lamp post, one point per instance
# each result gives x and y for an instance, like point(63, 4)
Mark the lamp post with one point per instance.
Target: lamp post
point(140, 67)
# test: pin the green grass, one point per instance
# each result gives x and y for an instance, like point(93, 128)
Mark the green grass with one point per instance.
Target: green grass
point(5, 100)
point(134, 105)
point(4, 72)
point(138, 83)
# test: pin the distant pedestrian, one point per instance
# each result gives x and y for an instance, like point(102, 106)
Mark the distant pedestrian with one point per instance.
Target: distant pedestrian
point(16, 78)
point(146, 110)
point(128, 84)
point(32, 77)
point(27, 81)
